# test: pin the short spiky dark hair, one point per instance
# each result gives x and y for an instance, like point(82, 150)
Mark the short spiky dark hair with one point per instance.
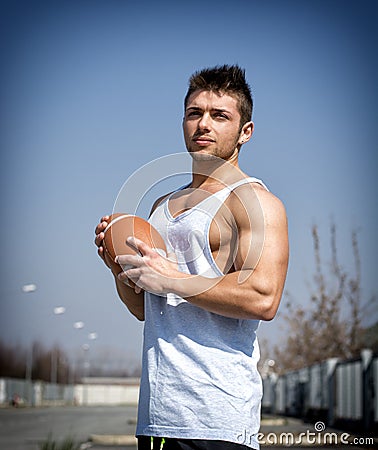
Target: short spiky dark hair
point(224, 79)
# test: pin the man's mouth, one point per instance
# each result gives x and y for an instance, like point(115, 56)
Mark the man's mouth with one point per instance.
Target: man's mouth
point(203, 140)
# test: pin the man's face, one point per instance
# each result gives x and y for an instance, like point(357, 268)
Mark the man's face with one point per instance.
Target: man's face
point(212, 125)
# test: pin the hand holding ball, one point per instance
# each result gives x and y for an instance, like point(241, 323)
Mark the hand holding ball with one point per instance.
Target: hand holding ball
point(122, 226)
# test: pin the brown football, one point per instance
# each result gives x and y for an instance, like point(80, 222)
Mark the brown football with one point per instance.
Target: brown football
point(120, 227)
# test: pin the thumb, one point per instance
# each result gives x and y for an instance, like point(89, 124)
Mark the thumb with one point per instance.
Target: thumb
point(139, 246)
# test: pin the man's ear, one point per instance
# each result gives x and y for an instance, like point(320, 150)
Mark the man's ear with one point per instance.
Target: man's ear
point(246, 132)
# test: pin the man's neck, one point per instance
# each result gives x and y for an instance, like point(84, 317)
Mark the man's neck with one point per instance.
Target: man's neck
point(214, 172)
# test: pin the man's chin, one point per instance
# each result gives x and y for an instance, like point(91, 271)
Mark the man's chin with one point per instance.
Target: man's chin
point(202, 156)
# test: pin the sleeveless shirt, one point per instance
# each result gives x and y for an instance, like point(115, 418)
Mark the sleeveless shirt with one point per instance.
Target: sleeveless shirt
point(199, 369)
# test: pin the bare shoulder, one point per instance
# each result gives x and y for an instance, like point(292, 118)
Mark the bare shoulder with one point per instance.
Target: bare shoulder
point(158, 201)
point(270, 203)
point(252, 200)
point(261, 222)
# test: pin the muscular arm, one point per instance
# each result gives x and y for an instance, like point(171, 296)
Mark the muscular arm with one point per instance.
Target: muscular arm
point(133, 301)
point(254, 289)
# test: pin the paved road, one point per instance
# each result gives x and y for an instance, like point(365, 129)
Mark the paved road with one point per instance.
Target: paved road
point(24, 428)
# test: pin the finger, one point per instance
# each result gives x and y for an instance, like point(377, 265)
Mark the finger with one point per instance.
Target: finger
point(133, 278)
point(132, 273)
point(140, 246)
point(101, 254)
point(99, 238)
point(100, 227)
point(122, 277)
point(132, 260)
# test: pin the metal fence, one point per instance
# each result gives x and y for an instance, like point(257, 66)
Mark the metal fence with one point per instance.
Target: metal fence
point(91, 392)
point(37, 393)
point(333, 391)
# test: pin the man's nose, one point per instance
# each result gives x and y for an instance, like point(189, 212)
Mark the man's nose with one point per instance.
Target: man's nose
point(204, 123)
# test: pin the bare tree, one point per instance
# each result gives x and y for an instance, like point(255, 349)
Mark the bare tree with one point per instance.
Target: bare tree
point(14, 360)
point(320, 330)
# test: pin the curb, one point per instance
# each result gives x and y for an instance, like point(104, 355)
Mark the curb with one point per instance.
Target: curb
point(109, 439)
point(279, 422)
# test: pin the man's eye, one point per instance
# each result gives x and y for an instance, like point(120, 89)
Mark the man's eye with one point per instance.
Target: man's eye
point(220, 115)
point(193, 115)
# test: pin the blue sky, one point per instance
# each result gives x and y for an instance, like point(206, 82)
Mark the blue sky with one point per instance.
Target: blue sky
point(92, 91)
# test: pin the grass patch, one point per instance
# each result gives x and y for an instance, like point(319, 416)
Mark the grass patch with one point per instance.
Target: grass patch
point(67, 443)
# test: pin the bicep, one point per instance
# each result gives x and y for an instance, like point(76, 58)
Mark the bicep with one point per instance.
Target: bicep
point(263, 241)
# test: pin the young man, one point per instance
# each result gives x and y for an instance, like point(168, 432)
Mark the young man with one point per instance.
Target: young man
point(227, 240)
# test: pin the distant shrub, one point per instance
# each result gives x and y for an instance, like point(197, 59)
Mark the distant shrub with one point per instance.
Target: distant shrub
point(67, 444)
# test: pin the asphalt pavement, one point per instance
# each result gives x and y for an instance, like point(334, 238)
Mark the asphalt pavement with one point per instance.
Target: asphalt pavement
point(113, 427)
point(26, 428)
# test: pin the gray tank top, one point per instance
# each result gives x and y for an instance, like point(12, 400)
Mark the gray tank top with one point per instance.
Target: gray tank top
point(199, 376)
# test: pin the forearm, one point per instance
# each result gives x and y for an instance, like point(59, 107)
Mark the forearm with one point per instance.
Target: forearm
point(250, 297)
point(134, 302)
